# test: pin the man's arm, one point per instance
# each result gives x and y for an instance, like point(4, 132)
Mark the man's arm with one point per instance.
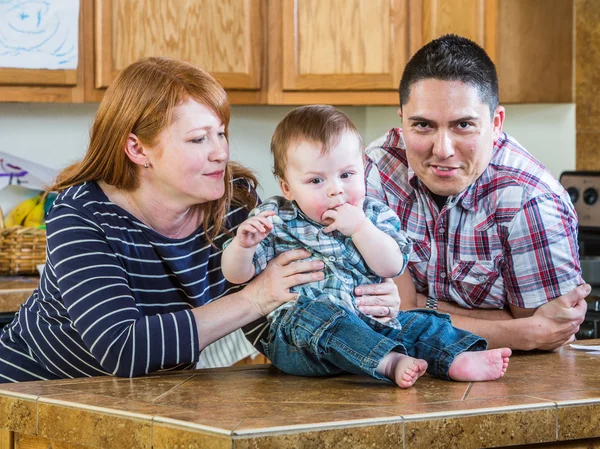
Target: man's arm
point(549, 327)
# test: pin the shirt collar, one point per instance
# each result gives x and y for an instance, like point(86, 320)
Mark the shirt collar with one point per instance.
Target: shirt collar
point(287, 210)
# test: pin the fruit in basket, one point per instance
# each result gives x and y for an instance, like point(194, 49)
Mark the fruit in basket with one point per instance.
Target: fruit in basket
point(17, 216)
point(35, 217)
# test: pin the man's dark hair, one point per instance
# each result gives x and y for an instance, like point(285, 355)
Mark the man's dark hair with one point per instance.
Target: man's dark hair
point(453, 58)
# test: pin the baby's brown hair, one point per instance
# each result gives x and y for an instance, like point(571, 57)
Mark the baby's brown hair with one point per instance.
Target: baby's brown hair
point(318, 123)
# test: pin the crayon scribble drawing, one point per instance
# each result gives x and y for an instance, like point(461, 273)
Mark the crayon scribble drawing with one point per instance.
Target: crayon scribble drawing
point(39, 34)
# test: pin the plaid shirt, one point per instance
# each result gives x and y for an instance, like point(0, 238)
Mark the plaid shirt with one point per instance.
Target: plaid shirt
point(344, 266)
point(510, 237)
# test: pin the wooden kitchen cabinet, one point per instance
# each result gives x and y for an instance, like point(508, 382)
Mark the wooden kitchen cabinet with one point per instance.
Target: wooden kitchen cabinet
point(530, 41)
point(310, 51)
point(338, 51)
point(226, 37)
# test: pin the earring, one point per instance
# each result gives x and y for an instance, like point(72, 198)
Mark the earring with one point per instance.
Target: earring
point(146, 164)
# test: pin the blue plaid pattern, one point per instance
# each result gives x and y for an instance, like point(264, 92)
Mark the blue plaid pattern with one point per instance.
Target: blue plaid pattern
point(344, 266)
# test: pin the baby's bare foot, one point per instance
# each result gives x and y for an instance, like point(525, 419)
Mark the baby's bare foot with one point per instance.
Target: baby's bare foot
point(480, 365)
point(402, 369)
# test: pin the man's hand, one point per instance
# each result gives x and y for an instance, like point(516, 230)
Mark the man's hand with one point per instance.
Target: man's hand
point(555, 324)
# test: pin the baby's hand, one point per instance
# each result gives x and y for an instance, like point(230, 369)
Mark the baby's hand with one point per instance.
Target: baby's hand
point(347, 219)
point(254, 230)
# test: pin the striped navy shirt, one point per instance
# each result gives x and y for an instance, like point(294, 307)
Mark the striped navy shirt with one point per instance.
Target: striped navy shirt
point(115, 296)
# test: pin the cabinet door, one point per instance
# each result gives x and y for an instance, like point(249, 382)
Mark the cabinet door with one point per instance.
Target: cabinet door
point(473, 19)
point(343, 44)
point(530, 41)
point(535, 51)
point(224, 37)
point(38, 85)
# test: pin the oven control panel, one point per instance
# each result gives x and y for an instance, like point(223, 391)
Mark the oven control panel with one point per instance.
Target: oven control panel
point(584, 189)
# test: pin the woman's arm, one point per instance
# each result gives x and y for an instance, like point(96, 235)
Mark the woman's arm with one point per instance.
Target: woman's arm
point(266, 292)
point(101, 304)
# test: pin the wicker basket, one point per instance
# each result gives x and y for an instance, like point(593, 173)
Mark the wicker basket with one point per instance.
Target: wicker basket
point(21, 249)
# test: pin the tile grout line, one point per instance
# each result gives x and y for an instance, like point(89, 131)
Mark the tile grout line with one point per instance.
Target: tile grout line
point(467, 391)
point(172, 389)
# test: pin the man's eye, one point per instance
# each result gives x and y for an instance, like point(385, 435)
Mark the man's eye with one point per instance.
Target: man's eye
point(464, 125)
point(421, 125)
point(315, 181)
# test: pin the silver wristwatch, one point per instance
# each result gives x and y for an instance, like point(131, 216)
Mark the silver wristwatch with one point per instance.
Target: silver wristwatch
point(431, 303)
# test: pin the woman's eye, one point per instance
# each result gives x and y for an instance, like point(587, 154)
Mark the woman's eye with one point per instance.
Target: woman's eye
point(198, 139)
point(222, 135)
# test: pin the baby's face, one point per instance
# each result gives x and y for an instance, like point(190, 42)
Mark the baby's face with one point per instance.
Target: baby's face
point(319, 182)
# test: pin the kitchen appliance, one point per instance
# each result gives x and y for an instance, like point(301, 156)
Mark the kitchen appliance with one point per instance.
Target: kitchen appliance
point(584, 189)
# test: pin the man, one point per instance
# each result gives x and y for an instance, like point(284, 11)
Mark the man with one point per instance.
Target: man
point(494, 234)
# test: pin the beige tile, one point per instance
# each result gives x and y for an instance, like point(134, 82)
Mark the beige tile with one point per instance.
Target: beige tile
point(367, 437)
point(93, 428)
point(32, 389)
point(487, 430)
point(529, 374)
point(272, 386)
point(578, 413)
point(18, 414)
point(470, 407)
point(303, 421)
point(224, 418)
point(138, 389)
point(170, 437)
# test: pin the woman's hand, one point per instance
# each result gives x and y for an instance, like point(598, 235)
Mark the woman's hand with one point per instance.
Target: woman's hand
point(381, 301)
point(271, 288)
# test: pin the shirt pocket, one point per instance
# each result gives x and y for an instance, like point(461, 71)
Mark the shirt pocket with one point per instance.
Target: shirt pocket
point(418, 264)
point(476, 280)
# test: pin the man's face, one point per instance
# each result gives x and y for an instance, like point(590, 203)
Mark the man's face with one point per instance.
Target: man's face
point(449, 134)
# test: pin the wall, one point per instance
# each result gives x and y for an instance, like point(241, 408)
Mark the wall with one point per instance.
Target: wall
point(57, 134)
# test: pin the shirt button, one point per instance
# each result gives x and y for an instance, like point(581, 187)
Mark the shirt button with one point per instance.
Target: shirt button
point(441, 231)
point(332, 259)
point(482, 278)
point(443, 275)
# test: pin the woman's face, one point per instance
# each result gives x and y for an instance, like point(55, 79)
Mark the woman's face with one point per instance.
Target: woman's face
point(188, 162)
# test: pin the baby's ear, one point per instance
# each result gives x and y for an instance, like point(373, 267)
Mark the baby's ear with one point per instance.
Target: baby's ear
point(285, 189)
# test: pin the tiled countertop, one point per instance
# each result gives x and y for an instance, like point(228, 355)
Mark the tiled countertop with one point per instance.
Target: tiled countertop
point(544, 397)
point(14, 291)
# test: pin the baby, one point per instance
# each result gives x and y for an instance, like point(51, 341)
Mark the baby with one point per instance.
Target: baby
point(319, 161)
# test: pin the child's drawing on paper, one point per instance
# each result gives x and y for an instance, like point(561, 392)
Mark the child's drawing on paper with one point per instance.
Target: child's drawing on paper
point(39, 34)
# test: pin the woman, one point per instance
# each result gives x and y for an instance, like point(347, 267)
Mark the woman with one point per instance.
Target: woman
point(135, 235)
